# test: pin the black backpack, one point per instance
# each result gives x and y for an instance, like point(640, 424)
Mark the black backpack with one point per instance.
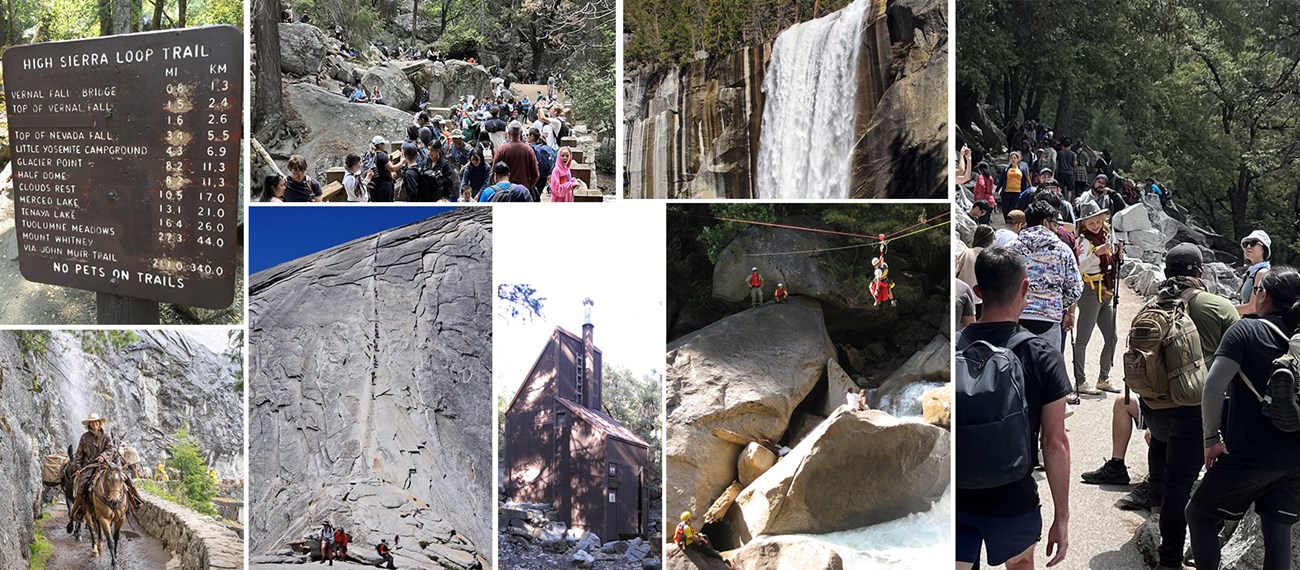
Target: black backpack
point(995, 444)
point(1280, 402)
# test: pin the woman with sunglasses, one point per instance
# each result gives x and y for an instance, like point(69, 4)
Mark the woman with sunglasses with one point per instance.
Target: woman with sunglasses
point(1248, 460)
point(1255, 247)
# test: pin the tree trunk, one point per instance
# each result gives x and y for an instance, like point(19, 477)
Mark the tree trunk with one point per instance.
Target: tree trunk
point(1239, 198)
point(415, 17)
point(122, 16)
point(137, 12)
point(268, 99)
point(105, 18)
point(180, 11)
point(158, 13)
point(1061, 122)
point(9, 5)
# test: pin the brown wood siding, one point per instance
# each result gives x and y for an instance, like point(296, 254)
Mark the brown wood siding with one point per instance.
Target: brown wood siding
point(530, 435)
point(631, 516)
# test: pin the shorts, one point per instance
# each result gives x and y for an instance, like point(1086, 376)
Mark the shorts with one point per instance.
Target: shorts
point(1227, 491)
point(1002, 537)
point(1140, 422)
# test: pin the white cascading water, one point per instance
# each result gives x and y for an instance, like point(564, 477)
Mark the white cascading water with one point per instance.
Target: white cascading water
point(919, 541)
point(808, 120)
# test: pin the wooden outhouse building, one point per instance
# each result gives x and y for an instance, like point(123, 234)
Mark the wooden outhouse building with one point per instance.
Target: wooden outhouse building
point(562, 449)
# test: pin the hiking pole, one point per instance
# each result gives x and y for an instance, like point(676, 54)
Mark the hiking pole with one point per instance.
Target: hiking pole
point(1119, 261)
point(1076, 381)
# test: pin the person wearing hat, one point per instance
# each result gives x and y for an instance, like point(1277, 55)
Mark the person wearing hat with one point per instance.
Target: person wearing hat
point(780, 294)
point(326, 542)
point(378, 145)
point(1101, 196)
point(686, 537)
point(502, 190)
point(457, 151)
point(92, 444)
point(1099, 267)
point(1008, 235)
point(755, 282)
point(385, 554)
point(1255, 248)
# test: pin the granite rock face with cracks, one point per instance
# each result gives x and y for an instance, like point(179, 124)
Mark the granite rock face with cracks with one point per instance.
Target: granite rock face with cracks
point(371, 393)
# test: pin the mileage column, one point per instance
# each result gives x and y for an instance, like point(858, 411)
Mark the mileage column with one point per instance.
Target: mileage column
point(216, 205)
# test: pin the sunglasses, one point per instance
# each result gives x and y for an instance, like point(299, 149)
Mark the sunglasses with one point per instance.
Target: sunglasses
point(1249, 244)
point(1257, 289)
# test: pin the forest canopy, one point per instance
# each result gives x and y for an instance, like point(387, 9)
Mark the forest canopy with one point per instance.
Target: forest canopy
point(30, 21)
point(1203, 96)
point(673, 31)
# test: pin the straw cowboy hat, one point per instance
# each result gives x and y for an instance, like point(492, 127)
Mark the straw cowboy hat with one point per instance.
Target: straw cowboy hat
point(93, 418)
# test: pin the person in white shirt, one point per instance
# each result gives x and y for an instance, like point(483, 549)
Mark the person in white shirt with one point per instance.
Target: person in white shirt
point(852, 397)
point(355, 180)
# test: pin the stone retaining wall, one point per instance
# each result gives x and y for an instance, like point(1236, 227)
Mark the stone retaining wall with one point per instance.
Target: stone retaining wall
point(197, 541)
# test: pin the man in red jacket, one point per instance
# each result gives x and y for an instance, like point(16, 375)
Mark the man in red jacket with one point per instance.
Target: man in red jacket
point(518, 156)
point(755, 288)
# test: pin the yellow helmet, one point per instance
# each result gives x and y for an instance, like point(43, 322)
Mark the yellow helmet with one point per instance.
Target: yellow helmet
point(686, 515)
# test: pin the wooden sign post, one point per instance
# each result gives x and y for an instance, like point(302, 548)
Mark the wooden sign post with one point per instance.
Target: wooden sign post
point(126, 166)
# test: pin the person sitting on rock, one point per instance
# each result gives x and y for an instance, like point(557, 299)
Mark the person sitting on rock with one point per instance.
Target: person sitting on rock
point(755, 282)
point(358, 94)
point(377, 97)
point(780, 294)
point(852, 398)
point(385, 555)
point(687, 538)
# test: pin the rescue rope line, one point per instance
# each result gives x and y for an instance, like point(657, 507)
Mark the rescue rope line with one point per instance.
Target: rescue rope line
point(873, 244)
point(875, 238)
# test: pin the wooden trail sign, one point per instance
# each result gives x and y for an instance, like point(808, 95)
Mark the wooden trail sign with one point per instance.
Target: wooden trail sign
point(126, 163)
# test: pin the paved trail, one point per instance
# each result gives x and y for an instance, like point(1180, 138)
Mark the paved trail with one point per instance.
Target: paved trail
point(136, 551)
point(1101, 536)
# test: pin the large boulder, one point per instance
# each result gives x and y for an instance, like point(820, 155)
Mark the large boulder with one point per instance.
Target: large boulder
point(336, 127)
point(936, 405)
point(1143, 278)
point(965, 227)
point(754, 461)
point(680, 559)
point(1222, 280)
point(396, 88)
point(377, 417)
point(806, 275)
point(1132, 218)
point(731, 375)
point(453, 79)
point(782, 552)
point(857, 469)
point(903, 153)
point(302, 49)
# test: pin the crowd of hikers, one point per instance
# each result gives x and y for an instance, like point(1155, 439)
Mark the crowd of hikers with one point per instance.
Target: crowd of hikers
point(491, 151)
point(1210, 380)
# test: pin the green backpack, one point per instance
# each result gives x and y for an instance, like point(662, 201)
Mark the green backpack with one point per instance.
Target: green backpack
point(1164, 363)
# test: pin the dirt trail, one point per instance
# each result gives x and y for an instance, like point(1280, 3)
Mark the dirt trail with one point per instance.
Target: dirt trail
point(137, 551)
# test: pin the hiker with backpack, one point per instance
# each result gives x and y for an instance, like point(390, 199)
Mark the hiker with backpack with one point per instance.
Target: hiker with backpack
point(1099, 268)
point(1255, 460)
point(519, 157)
point(1011, 385)
point(545, 164)
point(1171, 341)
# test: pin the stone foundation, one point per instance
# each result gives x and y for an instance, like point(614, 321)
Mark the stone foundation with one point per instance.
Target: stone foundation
point(197, 541)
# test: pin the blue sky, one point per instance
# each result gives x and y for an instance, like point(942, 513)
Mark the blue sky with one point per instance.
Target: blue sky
point(281, 233)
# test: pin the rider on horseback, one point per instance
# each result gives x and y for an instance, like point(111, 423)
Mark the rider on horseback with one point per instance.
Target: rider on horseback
point(94, 446)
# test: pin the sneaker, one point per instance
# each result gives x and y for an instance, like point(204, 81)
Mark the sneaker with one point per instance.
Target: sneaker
point(1113, 472)
point(1136, 500)
point(1105, 386)
point(1087, 390)
point(1069, 410)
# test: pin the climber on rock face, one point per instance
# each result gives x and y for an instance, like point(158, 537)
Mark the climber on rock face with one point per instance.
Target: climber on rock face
point(755, 282)
point(385, 554)
point(326, 542)
point(881, 288)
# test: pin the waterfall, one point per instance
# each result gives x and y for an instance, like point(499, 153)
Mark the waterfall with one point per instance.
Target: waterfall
point(809, 118)
point(74, 388)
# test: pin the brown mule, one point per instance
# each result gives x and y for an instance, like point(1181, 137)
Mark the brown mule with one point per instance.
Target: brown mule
point(107, 508)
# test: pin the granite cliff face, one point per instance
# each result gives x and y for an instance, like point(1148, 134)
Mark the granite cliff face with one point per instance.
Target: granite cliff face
point(370, 402)
point(147, 389)
point(694, 131)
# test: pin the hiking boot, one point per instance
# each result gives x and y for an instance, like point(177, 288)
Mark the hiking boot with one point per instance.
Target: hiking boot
point(1105, 386)
point(1086, 390)
point(1113, 472)
point(1136, 500)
